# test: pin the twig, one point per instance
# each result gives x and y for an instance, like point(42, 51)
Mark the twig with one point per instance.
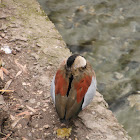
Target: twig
point(23, 113)
point(30, 108)
point(3, 90)
point(6, 136)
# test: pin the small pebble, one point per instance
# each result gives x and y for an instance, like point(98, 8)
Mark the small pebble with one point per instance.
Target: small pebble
point(33, 130)
point(30, 134)
point(46, 126)
point(62, 124)
point(19, 126)
point(47, 134)
point(3, 35)
point(45, 105)
point(6, 37)
point(39, 45)
point(32, 101)
point(14, 52)
point(2, 100)
point(44, 109)
point(54, 132)
point(18, 49)
point(40, 129)
point(38, 104)
point(36, 125)
point(87, 137)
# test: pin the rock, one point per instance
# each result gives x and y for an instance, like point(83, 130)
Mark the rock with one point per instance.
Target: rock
point(44, 109)
point(46, 126)
point(3, 27)
point(32, 101)
point(3, 35)
point(134, 101)
point(29, 134)
point(18, 48)
point(6, 49)
point(102, 124)
point(87, 137)
point(118, 75)
point(19, 126)
point(36, 56)
point(23, 138)
point(45, 50)
point(19, 37)
point(14, 52)
point(39, 44)
point(40, 129)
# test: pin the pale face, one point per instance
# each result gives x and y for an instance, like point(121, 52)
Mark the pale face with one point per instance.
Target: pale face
point(79, 62)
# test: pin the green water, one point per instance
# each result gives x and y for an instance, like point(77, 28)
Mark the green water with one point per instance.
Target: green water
point(107, 33)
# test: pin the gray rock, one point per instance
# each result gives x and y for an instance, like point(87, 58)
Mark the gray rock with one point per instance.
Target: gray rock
point(118, 75)
point(100, 121)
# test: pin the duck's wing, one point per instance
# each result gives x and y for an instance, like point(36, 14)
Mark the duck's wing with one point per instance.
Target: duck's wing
point(81, 94)
point(90, 93)
point(60, 87)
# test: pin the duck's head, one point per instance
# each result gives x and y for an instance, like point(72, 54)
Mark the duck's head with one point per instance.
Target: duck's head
point(75, 61)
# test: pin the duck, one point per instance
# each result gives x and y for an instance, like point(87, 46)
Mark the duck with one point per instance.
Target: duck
point(73, 86)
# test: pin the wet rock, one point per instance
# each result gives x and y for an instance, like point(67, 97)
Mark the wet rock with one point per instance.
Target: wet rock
point(134, 101)
point(118, 75)
point(133, 118)
point(133, 64)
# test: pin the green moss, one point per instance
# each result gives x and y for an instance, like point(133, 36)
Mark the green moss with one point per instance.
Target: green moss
point(2, 4)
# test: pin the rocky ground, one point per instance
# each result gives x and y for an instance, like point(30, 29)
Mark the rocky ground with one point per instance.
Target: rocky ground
point(26, 109)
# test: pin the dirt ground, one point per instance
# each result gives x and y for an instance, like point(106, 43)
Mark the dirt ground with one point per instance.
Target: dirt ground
point(30, 97)
point(26, 109)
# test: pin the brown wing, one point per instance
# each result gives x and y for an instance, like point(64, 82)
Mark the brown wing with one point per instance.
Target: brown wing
point(61, 87)
point(76, 95)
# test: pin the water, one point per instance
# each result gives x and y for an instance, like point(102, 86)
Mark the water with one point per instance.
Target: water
point(107, 33)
